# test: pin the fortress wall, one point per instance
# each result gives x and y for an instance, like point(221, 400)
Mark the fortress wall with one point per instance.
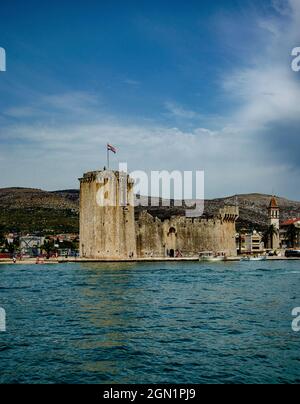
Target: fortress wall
point(189, 236)
point(149, 236)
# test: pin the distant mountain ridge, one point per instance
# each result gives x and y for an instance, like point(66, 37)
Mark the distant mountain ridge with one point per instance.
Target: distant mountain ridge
point(35, 210)
point(29, 210)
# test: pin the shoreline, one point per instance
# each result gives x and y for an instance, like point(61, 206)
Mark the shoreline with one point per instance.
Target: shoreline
point(136, 260)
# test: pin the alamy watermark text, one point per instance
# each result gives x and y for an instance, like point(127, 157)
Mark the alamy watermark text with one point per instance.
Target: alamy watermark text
point(296, 321)
point(2, 320)
point(2, 60)
point(183, 189)
point(296, 60)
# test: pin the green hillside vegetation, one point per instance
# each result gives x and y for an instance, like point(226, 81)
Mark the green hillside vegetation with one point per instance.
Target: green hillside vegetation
point(32, 210)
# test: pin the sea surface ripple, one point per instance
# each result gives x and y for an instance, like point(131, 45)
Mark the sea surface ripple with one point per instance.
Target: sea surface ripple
point(150, 323)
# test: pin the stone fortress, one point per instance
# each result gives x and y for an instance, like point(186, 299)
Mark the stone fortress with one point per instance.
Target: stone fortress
point(110, 231)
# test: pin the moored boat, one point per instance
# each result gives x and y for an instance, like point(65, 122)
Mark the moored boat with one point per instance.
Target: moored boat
point(255, 258)
point(210, 256)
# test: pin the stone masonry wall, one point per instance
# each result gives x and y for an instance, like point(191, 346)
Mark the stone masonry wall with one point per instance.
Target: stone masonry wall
point(106, 231)
point(189, 236)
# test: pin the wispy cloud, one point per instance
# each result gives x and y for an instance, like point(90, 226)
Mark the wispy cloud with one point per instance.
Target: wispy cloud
point(178, 111)
point(131, 82)
point(62, 107)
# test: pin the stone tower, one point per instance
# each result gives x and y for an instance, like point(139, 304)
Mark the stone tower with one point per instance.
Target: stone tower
point(274, 217)
point(107, 225)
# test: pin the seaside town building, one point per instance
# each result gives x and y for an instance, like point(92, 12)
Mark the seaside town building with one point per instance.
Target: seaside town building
point(251, 243)
point(31, 245)
point(290, 233)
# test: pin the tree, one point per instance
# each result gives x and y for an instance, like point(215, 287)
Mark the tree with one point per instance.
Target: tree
point(265, 238)
point(292, 234)
point(48, 247)
point(2, 237)
point(269, 234)
point(11, 248)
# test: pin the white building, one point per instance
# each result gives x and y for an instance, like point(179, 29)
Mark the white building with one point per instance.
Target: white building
point(31, 245)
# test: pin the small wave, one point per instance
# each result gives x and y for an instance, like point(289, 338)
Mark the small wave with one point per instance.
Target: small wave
point(14, 287)
point(234, 332)
point(4, 347)
point(264, 269)
point(272, 270)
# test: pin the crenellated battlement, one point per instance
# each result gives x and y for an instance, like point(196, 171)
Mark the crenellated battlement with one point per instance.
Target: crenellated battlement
point(229, 213)
point(102, 175)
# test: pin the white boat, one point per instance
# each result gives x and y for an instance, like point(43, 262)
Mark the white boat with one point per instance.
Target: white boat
point(210, 256)
point(258, 258)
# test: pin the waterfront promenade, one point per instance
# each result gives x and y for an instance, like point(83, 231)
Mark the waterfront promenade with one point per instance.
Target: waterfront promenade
point(31, 261)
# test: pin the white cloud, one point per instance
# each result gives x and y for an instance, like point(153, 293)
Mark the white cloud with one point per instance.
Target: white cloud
point(131, 82)
point(267, 89)
point(178, 111)
point(266, 94)
point(74, 104)
point(56, 155)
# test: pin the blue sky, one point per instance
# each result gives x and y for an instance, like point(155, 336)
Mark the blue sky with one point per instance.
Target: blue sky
point(174, 85)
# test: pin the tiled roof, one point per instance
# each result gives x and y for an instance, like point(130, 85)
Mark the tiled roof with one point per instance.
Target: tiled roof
point(273, 203)
point(290, 221)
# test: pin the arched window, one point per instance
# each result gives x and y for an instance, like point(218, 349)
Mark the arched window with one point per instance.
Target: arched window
point(172, 230)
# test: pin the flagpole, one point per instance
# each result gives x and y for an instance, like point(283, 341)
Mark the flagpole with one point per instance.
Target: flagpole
point(107, 156)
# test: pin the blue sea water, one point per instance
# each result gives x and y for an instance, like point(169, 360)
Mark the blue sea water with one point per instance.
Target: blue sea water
point(150, 323)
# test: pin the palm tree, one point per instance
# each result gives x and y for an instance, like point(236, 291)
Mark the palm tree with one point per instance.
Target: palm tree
point(291, 234)
point(265, 238)
point(269, 234)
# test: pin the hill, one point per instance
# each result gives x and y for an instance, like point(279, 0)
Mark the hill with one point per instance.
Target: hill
point(253, 209)
point(35, 210)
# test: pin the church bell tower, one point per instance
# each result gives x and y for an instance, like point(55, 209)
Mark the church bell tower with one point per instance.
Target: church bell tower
point(274, 220)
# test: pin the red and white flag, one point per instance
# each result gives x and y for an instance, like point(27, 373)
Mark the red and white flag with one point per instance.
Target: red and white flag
point(111, 148)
